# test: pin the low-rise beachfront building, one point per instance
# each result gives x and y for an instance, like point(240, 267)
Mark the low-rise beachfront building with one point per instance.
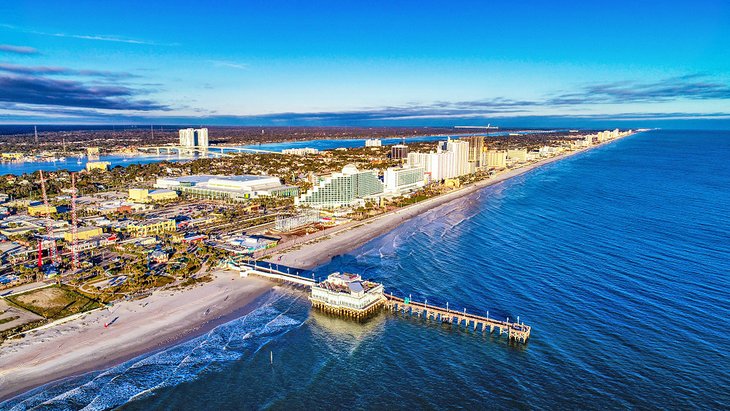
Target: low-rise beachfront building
point(373, 142)
point(285, 223)
point(159, 256)
point(143, 195)
point(253, 243)
point(400, 180)
point(11, 156)
point(98, 165)
point(496, 158)
point(517, 155)
point(41, 209)
point(151, 227)
point(228, 188)
point(347, 295)
point(8, 249)
point(548, 151)
point(346, 189)
point(83, 233)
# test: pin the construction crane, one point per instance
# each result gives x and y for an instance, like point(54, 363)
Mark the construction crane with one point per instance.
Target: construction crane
point(74, 226)
point(53, 253)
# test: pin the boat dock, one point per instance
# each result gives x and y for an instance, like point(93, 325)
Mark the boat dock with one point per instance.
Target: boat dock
point(515, 331)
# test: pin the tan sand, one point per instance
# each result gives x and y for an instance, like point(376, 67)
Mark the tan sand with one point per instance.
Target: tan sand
point(84, 344)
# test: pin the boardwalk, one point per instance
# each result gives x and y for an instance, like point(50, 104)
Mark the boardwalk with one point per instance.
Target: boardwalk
point(273, 271)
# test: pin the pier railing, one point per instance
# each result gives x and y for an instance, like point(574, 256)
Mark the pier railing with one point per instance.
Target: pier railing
point(275, 271)
point(515, 331)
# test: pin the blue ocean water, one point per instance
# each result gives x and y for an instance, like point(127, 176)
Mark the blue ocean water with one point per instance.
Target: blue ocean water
point(618, 257)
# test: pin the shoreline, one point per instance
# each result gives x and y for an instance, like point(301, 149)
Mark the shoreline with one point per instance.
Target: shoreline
point(321, 249)
point(36, 360)
point(139, 327)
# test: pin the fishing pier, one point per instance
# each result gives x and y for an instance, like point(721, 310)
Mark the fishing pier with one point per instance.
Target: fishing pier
point(348, 295)
point(515, 331)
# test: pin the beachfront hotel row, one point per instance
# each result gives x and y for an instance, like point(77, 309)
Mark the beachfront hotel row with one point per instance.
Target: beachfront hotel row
point(451, 159)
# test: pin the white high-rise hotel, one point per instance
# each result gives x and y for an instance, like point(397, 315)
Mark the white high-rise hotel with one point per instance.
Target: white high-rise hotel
point(450, 160)
point(191, 137)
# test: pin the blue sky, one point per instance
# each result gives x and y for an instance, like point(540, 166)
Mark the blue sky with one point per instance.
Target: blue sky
point(366, 63)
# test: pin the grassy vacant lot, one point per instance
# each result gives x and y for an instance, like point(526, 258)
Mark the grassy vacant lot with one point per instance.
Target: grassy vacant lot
point(54, 302)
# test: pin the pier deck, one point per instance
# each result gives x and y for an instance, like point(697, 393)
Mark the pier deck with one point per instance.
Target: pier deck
point(515, 331)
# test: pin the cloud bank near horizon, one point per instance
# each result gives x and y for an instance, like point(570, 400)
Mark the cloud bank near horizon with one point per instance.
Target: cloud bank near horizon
point(104, 96)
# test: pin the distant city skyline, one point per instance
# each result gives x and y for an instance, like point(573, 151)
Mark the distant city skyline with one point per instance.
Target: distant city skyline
point(403, 63)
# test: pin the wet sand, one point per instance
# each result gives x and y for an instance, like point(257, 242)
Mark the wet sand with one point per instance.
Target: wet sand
point(137, 327)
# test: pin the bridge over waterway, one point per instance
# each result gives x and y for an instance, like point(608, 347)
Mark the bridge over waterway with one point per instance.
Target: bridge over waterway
point(220, 151)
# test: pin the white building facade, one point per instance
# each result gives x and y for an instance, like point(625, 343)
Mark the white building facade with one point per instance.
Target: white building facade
point(399, 180)
point(197, 138)
point(349, 188)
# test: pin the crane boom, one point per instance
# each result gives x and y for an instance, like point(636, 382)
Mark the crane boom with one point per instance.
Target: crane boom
point(74, 225)
point(49, 222)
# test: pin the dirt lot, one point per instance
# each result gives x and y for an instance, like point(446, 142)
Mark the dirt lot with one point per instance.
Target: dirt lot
point(53, 302)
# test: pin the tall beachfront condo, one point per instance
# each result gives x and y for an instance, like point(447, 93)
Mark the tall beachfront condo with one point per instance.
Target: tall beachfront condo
point(476, 147)
point(349, 188)
point(451, 160)
point(461, 157)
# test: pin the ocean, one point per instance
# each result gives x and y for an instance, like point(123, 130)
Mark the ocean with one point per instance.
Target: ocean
point(617, 257)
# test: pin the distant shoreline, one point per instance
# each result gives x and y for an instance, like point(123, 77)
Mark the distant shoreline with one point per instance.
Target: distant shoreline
point(321, 250)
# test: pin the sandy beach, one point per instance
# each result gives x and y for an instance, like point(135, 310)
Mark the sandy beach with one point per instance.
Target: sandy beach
point(84, 344)
point(322, 248)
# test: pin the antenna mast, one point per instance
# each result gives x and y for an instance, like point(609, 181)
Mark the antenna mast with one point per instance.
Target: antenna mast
point(74, 225)
point(49, 222)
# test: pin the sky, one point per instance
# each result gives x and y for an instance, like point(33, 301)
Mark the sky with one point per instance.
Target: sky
point(527, 63)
